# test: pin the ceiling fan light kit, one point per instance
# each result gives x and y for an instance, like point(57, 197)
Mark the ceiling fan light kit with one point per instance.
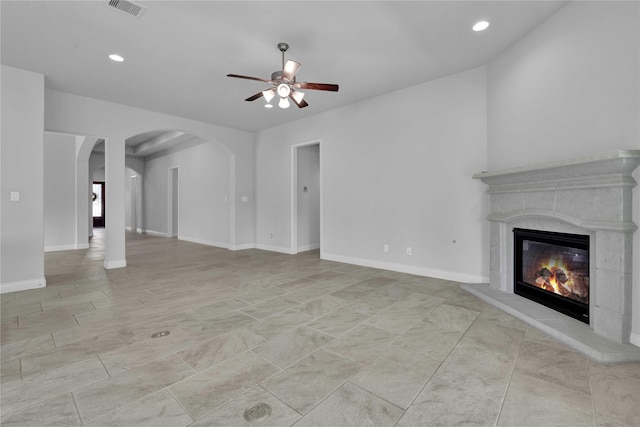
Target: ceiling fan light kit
point(284, 84)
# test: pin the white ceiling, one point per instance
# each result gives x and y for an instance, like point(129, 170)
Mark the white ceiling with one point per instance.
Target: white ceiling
point(177, 55)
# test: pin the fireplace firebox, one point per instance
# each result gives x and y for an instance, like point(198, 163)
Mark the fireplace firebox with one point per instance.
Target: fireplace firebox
point(553, 269)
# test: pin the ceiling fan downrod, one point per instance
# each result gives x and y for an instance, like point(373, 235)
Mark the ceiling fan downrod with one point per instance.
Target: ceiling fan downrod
point(283, 48)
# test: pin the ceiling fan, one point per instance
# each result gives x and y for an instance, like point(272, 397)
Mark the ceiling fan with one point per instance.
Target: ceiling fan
point(284, 84)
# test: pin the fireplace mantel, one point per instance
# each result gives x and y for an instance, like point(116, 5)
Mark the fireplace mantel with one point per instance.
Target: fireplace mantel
point(589, 195)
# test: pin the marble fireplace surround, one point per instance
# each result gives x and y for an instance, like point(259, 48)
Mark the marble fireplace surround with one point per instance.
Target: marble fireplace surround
point(589, 195)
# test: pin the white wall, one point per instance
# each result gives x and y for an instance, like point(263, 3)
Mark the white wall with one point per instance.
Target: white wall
point(396, 170)
point(203, 177)
point(59, 192)
point(570, 88)
point(21, 159)
point(309, 200)
point(114, 122)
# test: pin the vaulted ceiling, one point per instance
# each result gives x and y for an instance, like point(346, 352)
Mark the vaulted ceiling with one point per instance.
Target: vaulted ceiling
point(178, 53)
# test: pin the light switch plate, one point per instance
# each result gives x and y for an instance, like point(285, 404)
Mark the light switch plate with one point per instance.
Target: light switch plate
point(15, 196)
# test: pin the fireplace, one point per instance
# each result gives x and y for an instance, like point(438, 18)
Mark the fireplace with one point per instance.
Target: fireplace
point(586, 196)
point(553, 269)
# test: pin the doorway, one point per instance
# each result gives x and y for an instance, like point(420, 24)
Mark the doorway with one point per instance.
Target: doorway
point(306, 197)
point(98, 204)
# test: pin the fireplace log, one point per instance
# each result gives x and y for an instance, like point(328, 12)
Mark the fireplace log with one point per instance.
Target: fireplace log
point(544, 273)
point(580, 285)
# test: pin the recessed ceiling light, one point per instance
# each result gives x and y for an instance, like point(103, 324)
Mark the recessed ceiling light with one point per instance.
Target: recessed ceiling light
point(116, 57)
point(481, 26)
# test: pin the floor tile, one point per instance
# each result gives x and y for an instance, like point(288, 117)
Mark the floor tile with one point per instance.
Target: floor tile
point(443, 404)
point(212, 388)
point(285, 349)
point(321, 306)
point(501, 342)
point(219, 325)
point(100, 398)
point(452, 317)
point(233, 413)
point(143, 331)
point(351, 293)
point(58, 411)
point(430, 340)
point(126, 357)
point(156, 410)
point(476, 372)
point(338, 322)
point(615, 391)
point(280, 323)
point(403, 315)
point(307, 294)
point(531, 401)
point(26, 347)
point(370, 304)
point(216, 309)
point(10, 370)
point(556, 365)
point(306, 383)
point(48, 320)
point(12, 311)
point(220, 348)
point(352, 406)
point(396, 375)
point(71, 353)
point(362, 344)
point(269, 307)
point(46, 385)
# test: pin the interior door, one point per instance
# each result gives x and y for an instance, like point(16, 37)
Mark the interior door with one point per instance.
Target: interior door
point(98, 205)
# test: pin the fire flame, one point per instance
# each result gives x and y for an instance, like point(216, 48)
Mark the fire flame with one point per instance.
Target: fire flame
point(553, 265)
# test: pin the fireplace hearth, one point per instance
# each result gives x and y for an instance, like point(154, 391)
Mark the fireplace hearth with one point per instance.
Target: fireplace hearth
point(553, 270)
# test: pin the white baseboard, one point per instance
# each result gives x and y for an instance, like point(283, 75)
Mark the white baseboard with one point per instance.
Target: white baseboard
point(311, 247)
point(127, 228)
point(241, 247)
point(204, 242)
point(82, 246)
point(60, 248)
point(635, 339)
point(155, 233)
point(409, 269)
point(22, 285)
point(109, 265)
point(274, 249)
point(139, 230)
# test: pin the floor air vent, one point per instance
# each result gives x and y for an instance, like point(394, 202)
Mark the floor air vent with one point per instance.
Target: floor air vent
point(127, 7)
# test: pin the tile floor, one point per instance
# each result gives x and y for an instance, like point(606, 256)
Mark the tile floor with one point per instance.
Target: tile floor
point(321, 343)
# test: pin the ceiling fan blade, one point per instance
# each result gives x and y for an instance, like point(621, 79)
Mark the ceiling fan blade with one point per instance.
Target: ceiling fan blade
point(300, 104)
point(254, 97)
point(316, 86)
point(238, 76)
point(290, 69)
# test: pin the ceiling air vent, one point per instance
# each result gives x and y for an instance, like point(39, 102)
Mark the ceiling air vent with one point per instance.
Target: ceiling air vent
point(128, 7)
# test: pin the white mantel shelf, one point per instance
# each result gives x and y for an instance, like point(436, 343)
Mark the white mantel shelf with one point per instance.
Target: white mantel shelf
point(621, 161)
point(588, 195)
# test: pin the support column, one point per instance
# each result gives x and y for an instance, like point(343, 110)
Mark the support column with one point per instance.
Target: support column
point(114, 255)
point(82, 204)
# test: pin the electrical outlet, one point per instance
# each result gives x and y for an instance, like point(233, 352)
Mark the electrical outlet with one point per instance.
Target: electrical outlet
point(385, 248)
point(271, 236)
point(408, 251)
